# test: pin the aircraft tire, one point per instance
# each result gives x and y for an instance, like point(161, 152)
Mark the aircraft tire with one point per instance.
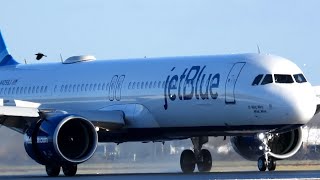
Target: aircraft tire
point(53, 170)
point(262, 163)
point(69, 170)
point(187, 161)
point(271, 164)
point(205, 163)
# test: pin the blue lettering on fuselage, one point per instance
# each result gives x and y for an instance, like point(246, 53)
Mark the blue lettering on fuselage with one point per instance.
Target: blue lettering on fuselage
point(191, 83)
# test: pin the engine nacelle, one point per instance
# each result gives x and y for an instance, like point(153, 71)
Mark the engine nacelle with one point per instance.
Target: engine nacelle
point(282, 145)
point(64, 139)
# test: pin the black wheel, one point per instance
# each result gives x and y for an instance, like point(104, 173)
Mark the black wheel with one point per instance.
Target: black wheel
point(53, 170)
point(69, 170)
point(187, 161)
point(262, 163)
point(271, 164)
point(205, 162)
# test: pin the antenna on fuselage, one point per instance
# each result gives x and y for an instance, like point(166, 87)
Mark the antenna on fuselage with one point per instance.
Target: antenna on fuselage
point(25, 61)
point(258, 48)
point(61, 58)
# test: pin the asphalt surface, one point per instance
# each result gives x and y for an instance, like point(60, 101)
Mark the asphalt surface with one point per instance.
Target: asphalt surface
point(178, 176)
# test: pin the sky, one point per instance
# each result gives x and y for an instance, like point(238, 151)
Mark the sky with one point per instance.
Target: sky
point(113, 29)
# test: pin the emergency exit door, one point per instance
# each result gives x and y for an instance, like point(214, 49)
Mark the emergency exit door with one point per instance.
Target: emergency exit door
point(231, 82)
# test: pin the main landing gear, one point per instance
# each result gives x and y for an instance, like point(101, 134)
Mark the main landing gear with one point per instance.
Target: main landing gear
point(200, 157)
point(266, 161)
point(54, 170)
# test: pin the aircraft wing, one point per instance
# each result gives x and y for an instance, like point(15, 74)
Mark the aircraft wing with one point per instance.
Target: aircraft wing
point(19, 115)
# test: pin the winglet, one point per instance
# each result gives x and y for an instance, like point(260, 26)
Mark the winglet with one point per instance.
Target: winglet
point(5, 57)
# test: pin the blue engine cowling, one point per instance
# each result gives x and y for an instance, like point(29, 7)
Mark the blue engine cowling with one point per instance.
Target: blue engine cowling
point(282, 145)
point(63, 139)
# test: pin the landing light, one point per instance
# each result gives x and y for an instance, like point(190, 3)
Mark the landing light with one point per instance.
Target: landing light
point(97, 128)
point(260, 147)
point(261, 136)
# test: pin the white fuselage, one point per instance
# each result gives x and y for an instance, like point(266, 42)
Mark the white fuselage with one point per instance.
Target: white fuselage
point(210, 92)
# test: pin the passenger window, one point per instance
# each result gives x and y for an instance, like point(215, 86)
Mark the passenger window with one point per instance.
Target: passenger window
point(99, 87)
point(267, 79)
point(133, 85)
point(142, 85)
point(138, 85)
point(147, 84)
point(283, 78)
point(129, 86)
point(299, 78)
point(257, 80)
point(150, 85)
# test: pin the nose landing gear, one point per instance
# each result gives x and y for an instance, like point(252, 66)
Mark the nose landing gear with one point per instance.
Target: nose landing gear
point(266, 161)
point(200, 157)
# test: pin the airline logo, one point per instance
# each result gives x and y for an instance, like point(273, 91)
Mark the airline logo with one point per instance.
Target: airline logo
point(192, 83)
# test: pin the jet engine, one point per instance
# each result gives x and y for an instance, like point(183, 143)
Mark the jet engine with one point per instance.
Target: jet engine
point(61, 140)
point(281, 145)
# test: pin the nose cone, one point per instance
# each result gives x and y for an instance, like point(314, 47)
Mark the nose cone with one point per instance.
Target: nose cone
point(301, 102)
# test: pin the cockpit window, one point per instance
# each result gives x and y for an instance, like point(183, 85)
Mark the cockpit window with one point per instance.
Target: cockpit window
point(283, 78)
point(267, 79)
point(257, 80)
point(299, 78)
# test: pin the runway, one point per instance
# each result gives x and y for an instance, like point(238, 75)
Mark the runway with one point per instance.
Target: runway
point(169, 170)
point(178, 176)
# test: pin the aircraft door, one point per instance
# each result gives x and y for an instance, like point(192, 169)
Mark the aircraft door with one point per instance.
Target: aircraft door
point(231, 82)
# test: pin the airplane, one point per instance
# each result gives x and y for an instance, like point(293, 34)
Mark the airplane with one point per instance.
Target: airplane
point(64, 109)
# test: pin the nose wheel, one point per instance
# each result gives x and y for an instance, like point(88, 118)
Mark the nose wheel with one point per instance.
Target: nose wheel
point(271, 164)
point(263, 164)
point(200, 157)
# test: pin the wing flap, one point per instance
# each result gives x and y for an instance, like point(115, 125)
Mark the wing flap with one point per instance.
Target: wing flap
point(18, 111)
point(18, 108)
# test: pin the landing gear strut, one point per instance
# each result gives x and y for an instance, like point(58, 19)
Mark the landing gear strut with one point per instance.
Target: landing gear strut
point(266, 161)
point(200, 157)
